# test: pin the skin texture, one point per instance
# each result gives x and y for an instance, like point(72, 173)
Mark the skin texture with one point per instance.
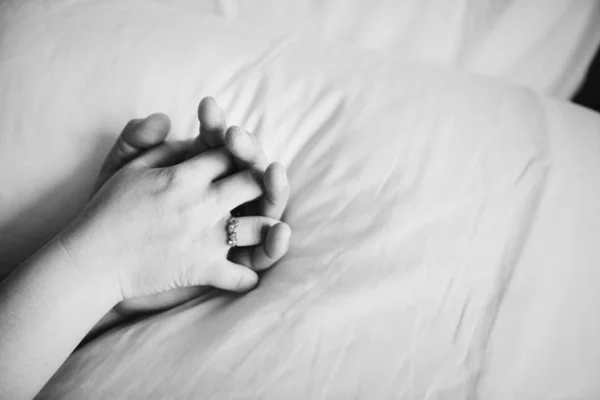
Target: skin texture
point(164, 227)
point(141, 135)
point(157, 223)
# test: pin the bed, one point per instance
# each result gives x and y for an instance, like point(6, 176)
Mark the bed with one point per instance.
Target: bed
point(445, 194)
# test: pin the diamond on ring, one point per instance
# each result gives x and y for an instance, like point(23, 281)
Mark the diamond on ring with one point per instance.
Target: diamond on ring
point(232, 231)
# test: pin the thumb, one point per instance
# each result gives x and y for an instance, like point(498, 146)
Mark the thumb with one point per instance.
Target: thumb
point(137, 136)
point(232, 277)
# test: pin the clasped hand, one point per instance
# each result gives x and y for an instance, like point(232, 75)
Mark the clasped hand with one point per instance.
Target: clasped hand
point(157, 223)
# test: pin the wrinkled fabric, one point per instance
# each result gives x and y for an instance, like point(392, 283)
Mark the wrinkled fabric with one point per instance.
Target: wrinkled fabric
point(444, 224)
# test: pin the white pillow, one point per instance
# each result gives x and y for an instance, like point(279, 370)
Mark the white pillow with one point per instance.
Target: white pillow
point(543, 45)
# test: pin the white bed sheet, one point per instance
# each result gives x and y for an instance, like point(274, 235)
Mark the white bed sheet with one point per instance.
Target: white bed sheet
point(445, 225)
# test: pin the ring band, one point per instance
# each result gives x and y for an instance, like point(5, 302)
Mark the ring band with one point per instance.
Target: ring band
point(232, 231)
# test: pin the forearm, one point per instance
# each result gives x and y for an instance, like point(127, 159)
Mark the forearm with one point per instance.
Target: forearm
point(47, 306)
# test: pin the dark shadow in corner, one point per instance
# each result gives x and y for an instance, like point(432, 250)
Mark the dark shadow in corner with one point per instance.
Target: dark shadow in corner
point(588, 94)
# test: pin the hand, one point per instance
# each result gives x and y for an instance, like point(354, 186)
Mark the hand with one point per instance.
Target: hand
point(156, 226)
point(248, 153)
point(140, 135)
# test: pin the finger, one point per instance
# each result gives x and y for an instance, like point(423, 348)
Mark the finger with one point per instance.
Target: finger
point(212, 122)
point(277, 192)
point(246, 148)
point(232, 277)
point(265, 255)
point(137, 136)
point(251, 231)
point(238, 189)
point(149, 132)
point(159, 301)
point(212, 127)
point(164, 155)
point(211, 165)
point(248, 153)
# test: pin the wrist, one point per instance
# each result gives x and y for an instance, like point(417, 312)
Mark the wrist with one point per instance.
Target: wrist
point(85, 256)
point(52, 290)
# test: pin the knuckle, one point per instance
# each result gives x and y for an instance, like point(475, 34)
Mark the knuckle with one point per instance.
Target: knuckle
point(278, 203)
point(173, 177)
point(167, 182)
point(164, 181)
point(122, 148)
point(212, 195)
point(186, 212)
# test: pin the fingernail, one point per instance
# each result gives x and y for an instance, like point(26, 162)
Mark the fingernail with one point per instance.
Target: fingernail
point(137, 121)
point(237, 134)
point(207, 100)
point(288, 240)
point(287, 231)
